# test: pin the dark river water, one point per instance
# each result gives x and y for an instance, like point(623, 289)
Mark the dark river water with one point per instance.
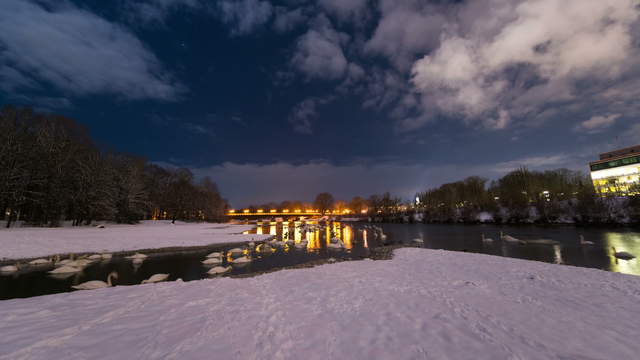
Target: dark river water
point(358, 243)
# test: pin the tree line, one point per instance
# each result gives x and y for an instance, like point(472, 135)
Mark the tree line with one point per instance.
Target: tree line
point(52, 171)
point(560, 195)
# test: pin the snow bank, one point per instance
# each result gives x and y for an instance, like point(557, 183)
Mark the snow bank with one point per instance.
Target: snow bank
point(32, 242)
point(422, 304)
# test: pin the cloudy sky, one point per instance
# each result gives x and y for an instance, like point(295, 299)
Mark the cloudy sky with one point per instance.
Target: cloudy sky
point(284, 99)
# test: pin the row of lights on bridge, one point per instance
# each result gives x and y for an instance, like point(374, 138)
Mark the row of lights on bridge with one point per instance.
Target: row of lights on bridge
point(297, 211)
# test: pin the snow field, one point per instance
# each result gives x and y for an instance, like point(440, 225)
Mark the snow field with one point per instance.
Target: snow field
point(423, 304)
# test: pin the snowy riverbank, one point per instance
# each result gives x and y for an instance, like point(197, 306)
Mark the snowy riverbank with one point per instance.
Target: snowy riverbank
point(24, 243)
point(422, 304)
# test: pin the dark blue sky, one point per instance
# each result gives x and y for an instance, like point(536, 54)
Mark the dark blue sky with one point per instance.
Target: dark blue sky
point(284, 99)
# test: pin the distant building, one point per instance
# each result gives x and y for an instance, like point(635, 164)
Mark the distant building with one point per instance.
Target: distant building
point(617, 172)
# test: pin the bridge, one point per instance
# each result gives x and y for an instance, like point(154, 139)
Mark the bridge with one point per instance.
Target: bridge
point(286, 212)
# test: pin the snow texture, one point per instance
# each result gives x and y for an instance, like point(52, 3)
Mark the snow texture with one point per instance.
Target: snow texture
point(423, 304)
point(25, 243)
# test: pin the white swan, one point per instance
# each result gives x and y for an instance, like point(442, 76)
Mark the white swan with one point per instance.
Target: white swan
point(66, 269)
point(155, 278)
point(212, 261)
point(95, 257)
point(486, 240)
point(418, 241)
point(106, 256)
point(96, 284)
point(252, 244)
point(65, 261)
point(584, 242)
point(242, 260)
point(511, 239)
point(80, 263)
point(214, 255)
point(37, 262)
point(622, 254)
point(218, 270)
point(236, 251)
point(137, 256)
point(7, 269)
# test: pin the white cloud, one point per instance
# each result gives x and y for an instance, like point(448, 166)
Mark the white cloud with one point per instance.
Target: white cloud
point(519, 57)
point(245, 16)
point(77, 52)
point(318, 53)
point(597, 123)
point(406, 29)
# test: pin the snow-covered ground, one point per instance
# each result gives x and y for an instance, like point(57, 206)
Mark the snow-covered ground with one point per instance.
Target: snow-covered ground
point(20, 243)
point(423, 304)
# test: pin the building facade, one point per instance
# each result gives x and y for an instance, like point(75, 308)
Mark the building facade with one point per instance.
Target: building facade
point(617, 172)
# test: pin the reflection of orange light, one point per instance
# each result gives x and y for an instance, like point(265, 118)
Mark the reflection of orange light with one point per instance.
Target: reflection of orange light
point(309, 211)
point(232, 211)
point(246, 211)
point(297, 210)
point(260, 210)
point(363, 211)
point(272, 210)
point(285, 210)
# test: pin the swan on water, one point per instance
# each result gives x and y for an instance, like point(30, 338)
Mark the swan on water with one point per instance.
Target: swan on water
point(66, 269)
point(511, 239)
point(218, 270)
point(65, 261)
point(622, 254)
point(137, 256)
point(418, 241)
point(236, 251)
point(80, 263)
point(212, 261)
point(584, 242)
point(214, 255)
point(242, 260)
point(96, 284)
point(95, 257)
point(7, 269)
point(106, 256)
point(155, 278)
point(41, 261)
point(486, 239)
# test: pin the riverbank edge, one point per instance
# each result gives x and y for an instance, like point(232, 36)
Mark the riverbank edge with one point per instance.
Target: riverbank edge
point(150, 251)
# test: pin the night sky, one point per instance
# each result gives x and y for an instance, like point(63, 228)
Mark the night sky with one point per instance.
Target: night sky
point(284, 99)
